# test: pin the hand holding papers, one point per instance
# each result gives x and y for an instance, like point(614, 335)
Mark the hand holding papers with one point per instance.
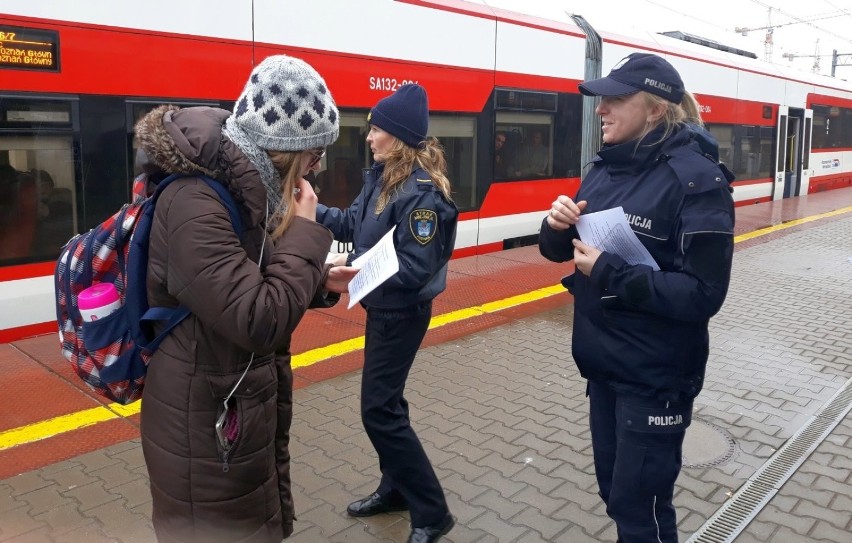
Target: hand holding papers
point(377, 265)
point(608, 231)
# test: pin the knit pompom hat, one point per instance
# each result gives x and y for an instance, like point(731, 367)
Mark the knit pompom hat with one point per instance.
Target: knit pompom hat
point(286, 106)
point(404, 114)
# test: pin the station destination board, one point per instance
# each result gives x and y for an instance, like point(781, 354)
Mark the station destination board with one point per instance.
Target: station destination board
point(29, 49)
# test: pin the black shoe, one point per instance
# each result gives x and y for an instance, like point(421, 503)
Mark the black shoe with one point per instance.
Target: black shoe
point(430, 534)
point(374, 504)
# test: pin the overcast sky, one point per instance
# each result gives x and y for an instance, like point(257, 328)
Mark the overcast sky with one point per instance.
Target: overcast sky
point(829, 21)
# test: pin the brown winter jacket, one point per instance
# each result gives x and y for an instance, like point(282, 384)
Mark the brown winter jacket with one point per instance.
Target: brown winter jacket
point(200, 491)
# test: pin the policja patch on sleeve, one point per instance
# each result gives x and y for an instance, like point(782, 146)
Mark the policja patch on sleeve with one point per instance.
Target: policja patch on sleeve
point(423, 224)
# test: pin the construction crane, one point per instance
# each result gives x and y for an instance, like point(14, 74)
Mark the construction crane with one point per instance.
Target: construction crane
point(835, 59)
point(816, 56)
point(768, 42)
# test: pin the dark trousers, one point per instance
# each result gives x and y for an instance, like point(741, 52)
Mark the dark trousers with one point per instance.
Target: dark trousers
point(282, 444)
point(392, 340)
point(637, 444)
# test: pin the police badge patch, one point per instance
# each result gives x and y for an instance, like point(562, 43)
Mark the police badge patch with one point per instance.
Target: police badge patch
point(423, 224)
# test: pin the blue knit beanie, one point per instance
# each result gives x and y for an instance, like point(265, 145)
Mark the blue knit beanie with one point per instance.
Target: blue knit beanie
point(404, 114)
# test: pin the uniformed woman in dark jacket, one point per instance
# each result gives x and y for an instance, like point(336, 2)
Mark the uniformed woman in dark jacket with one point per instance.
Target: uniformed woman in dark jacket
point(640, 334)
point(407, 188)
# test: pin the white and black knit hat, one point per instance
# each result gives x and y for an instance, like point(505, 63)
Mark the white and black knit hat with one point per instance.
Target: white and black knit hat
point(286, 106)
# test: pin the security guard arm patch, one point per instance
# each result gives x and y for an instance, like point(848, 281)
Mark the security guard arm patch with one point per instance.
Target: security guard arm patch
point(423, 224)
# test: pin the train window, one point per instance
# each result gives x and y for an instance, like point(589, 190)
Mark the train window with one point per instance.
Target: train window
point(527, 150)
point(724, 134)
point(840, 127)
point(821, 126)
point(18, 113)
point(457, 135)
point(832, 127)
point(845, 131)
point(38, 192)
point(525, 100)
point(746, 150)
point(339, 180)
point(38, 213)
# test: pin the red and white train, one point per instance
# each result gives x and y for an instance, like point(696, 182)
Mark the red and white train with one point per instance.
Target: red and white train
point(75, 76)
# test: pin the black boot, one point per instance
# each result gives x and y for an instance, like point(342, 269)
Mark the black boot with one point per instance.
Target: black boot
point(374, 504)
point(430, 534)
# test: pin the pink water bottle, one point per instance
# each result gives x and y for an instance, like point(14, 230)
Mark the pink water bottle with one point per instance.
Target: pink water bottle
point(98, 301)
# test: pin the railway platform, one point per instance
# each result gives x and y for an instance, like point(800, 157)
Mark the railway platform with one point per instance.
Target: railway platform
point(501, 409)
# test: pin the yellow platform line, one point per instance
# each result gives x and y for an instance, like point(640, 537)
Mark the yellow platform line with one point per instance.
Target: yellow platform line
point(66, 423)
point(51, 427)
point(790, 224)
point(356, 344)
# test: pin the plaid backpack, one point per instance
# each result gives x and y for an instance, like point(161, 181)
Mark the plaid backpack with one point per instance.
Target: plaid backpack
point(111, 354)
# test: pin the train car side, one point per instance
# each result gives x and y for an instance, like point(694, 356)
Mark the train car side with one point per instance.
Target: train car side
point(66, 141)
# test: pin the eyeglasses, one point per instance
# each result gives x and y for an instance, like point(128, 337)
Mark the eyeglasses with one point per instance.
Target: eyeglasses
point(316, 156)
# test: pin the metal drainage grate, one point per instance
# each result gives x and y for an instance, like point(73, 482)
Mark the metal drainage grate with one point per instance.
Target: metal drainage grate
point(747, 502)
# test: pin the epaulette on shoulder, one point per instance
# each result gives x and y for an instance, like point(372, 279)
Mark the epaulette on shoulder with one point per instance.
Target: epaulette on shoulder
point(697, 173)
point(424, 184)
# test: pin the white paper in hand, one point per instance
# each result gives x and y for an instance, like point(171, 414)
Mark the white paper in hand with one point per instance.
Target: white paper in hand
point(608, 231)
point(377, 266)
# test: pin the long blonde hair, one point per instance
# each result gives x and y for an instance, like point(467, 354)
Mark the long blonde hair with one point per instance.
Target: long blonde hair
point(675, 114)
point(288, 164)
point(401, 160)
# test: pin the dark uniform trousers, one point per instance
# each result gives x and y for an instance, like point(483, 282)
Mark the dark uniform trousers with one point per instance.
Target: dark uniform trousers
point(638, 444)
point(392, 339)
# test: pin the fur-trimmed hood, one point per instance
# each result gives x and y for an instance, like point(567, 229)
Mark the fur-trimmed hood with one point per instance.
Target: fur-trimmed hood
point(183, 141)
point(190, 141)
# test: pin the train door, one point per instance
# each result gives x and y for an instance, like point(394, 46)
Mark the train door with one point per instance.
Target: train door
point(793, 162)
point(793, 153)
point(806, 170)
point(781, 153)
point(793, 135)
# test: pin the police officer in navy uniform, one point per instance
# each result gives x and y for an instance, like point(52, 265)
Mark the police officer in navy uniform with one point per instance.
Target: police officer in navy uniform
point(406, 188)
point(640, 335)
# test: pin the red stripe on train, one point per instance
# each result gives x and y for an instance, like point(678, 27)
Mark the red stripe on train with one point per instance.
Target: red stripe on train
point(26, 271)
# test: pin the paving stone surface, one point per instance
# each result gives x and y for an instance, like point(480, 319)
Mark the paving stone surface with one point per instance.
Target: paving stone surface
point(503, 416)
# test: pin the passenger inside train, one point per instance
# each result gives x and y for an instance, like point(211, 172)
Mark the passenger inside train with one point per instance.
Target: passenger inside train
point(18, 213)
point(55, 214)
point(535, 157)
point(501, 156)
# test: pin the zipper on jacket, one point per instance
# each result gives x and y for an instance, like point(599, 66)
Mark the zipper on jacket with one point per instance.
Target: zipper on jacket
point(225, 467)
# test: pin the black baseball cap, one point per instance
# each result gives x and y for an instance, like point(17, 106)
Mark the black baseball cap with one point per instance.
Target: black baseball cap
point(638, 72)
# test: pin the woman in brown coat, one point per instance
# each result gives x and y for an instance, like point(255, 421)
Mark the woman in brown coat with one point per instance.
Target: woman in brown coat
point(229, 361)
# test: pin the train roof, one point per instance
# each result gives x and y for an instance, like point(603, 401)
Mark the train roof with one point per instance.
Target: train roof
point(548, 18)
point(466, 38)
